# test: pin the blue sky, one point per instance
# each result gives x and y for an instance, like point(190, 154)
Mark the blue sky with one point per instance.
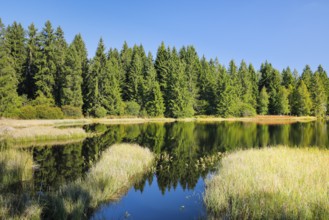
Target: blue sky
point(284, 32)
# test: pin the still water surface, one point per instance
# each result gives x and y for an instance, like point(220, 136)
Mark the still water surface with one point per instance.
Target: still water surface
point(175, 190)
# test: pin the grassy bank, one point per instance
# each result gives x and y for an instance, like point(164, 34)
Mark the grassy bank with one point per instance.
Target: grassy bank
point(271, 183)
point(40, 133)
point(116, 171)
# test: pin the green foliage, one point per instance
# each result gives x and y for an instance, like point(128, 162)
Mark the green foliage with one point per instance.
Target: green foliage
point(263, 102)
point(132, 108)
point(47, 112)
point(302, 100)
point(40, 68)
point(28, 112)
point(71, 111)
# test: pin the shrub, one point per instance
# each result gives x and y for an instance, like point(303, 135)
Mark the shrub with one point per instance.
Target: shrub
point(100, 112)
point(47, 112)
point(247, 110)
point(28, 112)
point(71, 111)
point(132, 108)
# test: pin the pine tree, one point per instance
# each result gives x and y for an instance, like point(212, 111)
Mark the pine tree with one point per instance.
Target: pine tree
point(45, 77)
point(71, 91)
point(263, 102)
point(9, 100)
point(15, 41)
point(30, 66)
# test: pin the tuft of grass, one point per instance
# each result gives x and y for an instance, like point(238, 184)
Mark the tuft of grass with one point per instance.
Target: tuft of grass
point(15, 167)
point(41, 133)
point(271, 183)
point(107, 180)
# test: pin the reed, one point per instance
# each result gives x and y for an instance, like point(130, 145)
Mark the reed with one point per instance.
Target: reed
point(271, 183)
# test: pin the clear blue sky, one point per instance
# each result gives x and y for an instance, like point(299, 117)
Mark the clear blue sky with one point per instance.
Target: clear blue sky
point(284, 32)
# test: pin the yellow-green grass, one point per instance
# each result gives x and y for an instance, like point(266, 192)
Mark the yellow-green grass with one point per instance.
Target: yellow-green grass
point(116, 171)
point(40, 133)
point(16, 168)
point(271, 183)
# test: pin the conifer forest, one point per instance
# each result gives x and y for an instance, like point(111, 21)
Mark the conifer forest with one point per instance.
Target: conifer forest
point(44, 76)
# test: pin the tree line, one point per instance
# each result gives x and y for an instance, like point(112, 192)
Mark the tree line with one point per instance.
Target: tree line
point(43, 76)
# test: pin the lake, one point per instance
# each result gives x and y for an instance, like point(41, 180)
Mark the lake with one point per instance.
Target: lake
point(187, 154)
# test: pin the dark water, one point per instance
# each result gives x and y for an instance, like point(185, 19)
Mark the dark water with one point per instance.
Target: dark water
point(186, 153)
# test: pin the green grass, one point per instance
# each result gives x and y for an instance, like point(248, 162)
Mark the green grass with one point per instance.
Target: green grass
point(271, 183)
point(112, 176)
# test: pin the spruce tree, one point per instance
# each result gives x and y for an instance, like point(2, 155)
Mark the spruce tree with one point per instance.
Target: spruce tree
point(15, 41)
point(306, 76)
point(60, 47)
point(95, 88)
point(30, 66)
point(190, 57)
point(71, 91)
point(46, 66)
point(302, 100)
point(153, 99)
point(9, 100)
point(283, 101)
point(134, 77)
point(83, 55)
point(125, 58)
point(111, 93)
point(162, 68)
point(180, 101)
point(226, 95)
point(263, 102)
point(319, 96)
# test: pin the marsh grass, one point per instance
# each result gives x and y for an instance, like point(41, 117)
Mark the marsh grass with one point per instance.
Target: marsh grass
point(15, 170)
point(271, 183)
point(41, 133)
point(116, 171)
point(15, 167)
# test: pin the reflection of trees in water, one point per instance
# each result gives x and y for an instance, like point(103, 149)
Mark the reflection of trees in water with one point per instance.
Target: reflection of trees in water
point(185, 143)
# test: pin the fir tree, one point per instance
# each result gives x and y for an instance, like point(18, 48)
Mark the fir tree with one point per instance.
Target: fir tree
point(319, 97)
point(283, 101)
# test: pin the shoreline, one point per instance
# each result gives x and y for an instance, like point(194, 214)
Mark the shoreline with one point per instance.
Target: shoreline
point(266, 119)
